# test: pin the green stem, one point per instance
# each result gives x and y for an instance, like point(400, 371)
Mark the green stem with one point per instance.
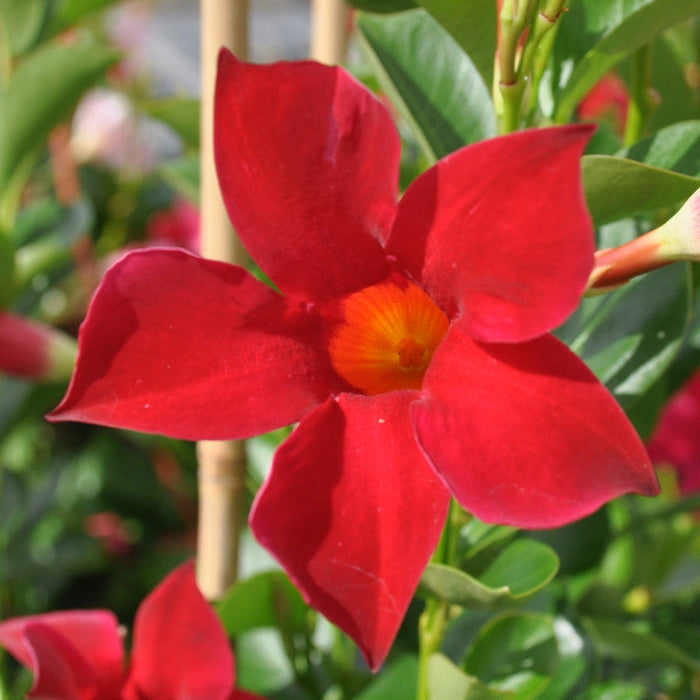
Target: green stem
point(433, 621)
point(641, 105)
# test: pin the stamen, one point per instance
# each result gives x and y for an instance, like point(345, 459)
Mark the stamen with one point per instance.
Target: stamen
point(388, 336)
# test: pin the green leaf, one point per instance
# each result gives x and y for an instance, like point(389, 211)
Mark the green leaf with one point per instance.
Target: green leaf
point(179, 113)
point(516, 652)
point(619, 27)
point(432, 82)
point(265, 600)
point(459, 588)
point(623, 642)
point(183, 174)
point(397, 681)
point(21, 22)
point(617, 188)
point(524, 566)
point(630, 336)
point(473, 24)
point(448, 682)
point(382, 6)
point(40, 95)
point(675, 147)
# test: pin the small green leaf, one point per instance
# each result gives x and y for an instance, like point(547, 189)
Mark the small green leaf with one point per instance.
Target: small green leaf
point(459, 588)
point(430, 79)
point(624, 642)
point(179, 113)
point(40, 95)
point(516, 652)
point(524, 566)
point(619, 29)
point(617, 188)
point(265, 600)
point(448, 682)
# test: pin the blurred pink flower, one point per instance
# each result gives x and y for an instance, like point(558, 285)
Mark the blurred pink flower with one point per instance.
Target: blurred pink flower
point(608, 100)
point(676, 438)
point(178, 226)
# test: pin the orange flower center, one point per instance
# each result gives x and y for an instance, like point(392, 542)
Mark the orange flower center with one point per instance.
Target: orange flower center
point(387, 338)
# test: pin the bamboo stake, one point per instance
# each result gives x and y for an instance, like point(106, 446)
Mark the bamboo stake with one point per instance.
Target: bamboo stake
point(222, 465)
point(330, 23)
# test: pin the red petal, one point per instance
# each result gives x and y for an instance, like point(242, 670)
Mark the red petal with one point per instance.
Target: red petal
point(180, 646)
point(353, 513)
point(308, 165)
point(524, 434)
point(499, 232)
point(194, 349)
point(74, 655)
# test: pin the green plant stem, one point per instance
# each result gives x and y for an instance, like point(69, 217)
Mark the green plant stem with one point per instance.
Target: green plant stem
point(433, 621)
point(641, 105)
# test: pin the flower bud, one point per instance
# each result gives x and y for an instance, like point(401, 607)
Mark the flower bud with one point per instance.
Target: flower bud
point(677, 239)
point(35, 351)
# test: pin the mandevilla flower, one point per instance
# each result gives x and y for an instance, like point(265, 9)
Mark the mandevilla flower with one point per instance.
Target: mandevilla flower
point(409, 339)
point(33, 350)
point(180, 650)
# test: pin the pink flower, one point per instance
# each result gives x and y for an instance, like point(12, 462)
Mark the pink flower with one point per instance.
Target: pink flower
point(609, 100)
point(35, 351)
point(180, 650)
point(179, 225)
point(676, 438)
point(409, 339)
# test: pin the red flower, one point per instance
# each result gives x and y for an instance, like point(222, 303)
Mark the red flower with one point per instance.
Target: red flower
point(409, 339)
point(676, 438)
point(180, 650)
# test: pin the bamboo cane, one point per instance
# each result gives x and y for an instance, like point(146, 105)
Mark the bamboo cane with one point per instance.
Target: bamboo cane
point(330, 21)
point(222, 465)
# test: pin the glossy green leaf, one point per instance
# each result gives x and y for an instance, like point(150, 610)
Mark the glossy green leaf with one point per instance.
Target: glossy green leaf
point(397, 681)
point(382, 6)
point(516, 652)
point(675, 147)
point(473, 24)
point(477, 536)
point(448, 682)
point(40, 95)
point(524, 566)
point(572, 662)
point(179, 113)
point(624, 642)
point(630, 336)
point(22, 21)
point(431, 81)
point(618, 187)
point(616, 29)
point(459, 588)
point(265, 600)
